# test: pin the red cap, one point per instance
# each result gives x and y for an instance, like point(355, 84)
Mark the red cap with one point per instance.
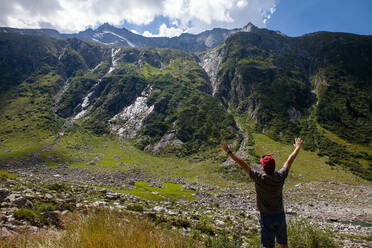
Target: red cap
point(268, 164)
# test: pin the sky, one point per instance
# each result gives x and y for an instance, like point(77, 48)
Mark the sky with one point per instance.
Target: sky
point(174, 17)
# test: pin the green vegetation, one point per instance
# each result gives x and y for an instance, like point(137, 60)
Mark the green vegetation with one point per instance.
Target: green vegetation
point(135, 207)
point(44, 207)
point(304, 234)
point(308, 164)
point(171, 191)
point(29, 215)
point(4, 173)
point(103, 228)
point(269, 83)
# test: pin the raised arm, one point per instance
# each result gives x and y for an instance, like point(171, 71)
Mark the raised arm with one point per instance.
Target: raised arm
point(234, 157)
point(292, 157)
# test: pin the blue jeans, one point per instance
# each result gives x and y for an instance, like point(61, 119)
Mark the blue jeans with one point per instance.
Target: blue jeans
point(273, 226)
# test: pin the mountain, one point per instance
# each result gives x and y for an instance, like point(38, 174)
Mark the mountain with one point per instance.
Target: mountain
point(109, 35)
point(162, 96)
point(59, 94)
point(317, 86)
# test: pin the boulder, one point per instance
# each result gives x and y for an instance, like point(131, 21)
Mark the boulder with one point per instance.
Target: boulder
point(21, 203)
point(4, 194)
point(91, 163)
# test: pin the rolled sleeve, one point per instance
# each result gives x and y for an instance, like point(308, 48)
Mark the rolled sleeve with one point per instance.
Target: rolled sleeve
point(253, 174)
point(283, 172)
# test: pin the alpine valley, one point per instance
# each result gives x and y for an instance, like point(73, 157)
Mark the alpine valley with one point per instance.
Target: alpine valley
point(125, 119)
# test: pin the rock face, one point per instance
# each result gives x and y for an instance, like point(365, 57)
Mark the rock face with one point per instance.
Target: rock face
point(169, 139)
point(130, 120)
point(211, 61)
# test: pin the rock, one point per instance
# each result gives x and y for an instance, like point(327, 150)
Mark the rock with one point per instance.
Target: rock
point(99, 158)
point(159, 209)
point(12, 197)
point(220, 223)
point(294, 114)
point(34, 228)
point(291, 211)
point(203, 195)
point(168, 139)
point(99, 204)
point(5, 232)
point(157, 185)
point(121, 163)
point(4, 194)
point(22, 203)
point(116, 157)
point(112, 196)
point(91, 163)
point(48, 196)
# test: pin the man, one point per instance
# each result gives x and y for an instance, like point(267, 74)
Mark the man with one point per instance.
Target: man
point(269, 196)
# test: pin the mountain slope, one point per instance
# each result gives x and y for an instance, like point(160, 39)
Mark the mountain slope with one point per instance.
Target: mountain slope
point(295, 86)
point(160, 98)
point(169, 101)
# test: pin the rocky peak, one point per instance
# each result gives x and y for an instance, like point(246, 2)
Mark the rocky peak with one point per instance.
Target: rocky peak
point(106, 26)
point(249, 27)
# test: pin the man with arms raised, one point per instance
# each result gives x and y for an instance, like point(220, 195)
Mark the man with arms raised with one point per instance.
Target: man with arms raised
point(269, 196)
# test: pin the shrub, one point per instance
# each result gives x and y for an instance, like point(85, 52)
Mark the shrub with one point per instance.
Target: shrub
point(303, 234)
point(223, 241)
point(135, 207)
point(57, 187)
point(44, 207)
point(29, 215)
point(5, 174)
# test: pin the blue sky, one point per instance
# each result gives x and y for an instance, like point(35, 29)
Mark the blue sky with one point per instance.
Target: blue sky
point(174, 17)
point(297, 17)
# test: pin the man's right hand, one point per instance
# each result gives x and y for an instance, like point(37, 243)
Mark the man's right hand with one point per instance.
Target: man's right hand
point(291, 158)
point(297, 143)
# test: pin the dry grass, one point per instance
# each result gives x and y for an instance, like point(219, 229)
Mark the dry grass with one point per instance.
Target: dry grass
point(103, 229)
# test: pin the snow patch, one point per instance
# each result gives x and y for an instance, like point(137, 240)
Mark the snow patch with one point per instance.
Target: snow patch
point(121, 37)
point(114, 60)
point(86, 100)
point(130, 120)
point(100, 36)
point(58, 96)
point(79, 115)
point(84, 105)
point(95, 68)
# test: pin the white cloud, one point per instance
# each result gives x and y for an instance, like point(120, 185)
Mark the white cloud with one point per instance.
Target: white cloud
point(241, 4)
point(134, 31)
point(170, 32)
point(148, 34)
point(164, 30)
point(185, 15)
